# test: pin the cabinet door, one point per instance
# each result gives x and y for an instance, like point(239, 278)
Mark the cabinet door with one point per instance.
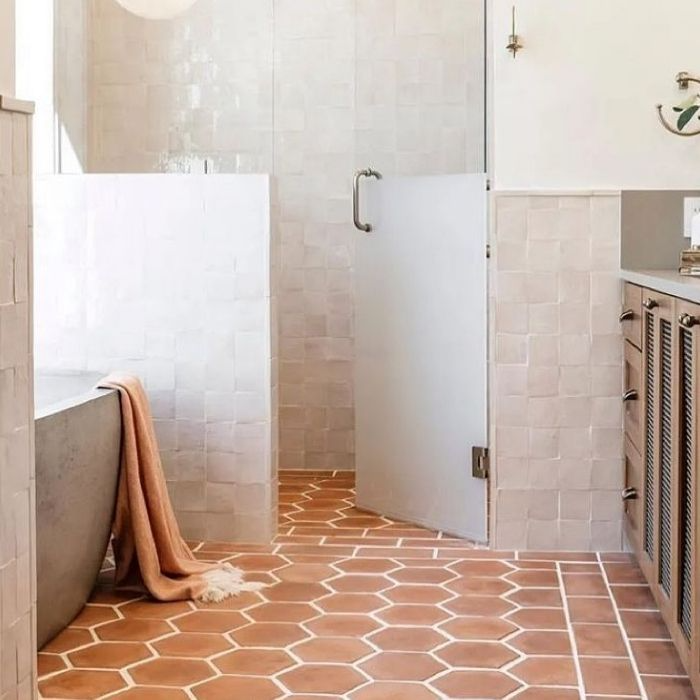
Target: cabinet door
point(631, 317)
point(633, 505)
point(688, 345)
point(633, 394)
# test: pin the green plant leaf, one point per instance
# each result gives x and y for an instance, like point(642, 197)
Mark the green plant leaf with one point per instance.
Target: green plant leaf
point(686, 116)
point(687, 103)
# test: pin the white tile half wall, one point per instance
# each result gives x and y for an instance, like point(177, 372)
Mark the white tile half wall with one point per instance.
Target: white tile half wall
point(556, 372)
point(169, 277)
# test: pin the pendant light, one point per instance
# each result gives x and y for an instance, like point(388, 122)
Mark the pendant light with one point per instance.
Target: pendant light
point(157, 9)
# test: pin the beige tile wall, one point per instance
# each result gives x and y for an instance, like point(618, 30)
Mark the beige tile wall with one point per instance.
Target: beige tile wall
point(556, 375)
point(17, 491)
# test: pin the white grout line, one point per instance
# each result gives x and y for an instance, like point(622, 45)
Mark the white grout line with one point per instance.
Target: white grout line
point(625, 636)
point(570, 628)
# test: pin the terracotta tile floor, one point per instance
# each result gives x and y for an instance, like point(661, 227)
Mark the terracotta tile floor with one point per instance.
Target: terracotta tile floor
point(366, 608)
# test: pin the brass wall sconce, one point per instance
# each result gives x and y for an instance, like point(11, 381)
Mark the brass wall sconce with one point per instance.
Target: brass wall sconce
point(686, 110)
point(514, 44)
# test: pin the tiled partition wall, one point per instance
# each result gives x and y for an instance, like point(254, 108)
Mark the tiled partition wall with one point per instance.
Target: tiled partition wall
point(168, 277)
point(309, 90)
point(17, 491)
point(556, 376)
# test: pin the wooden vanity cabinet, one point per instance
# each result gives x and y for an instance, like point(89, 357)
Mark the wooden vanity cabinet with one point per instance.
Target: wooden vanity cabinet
point(661, 450)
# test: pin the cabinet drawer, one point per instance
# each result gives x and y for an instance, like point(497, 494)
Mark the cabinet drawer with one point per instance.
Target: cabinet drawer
point(633, 494)
point(631, 317)
point(632, 395)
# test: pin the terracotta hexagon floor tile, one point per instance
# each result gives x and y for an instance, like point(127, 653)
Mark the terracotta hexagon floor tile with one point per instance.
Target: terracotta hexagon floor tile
point(549, 643)
point(258, 562)
point(490, 685)
point(551, 694)
point(133, 630)
point(332, 649)
point(417, 594)
point(151, 694)
point(480, 586)
point(360, 584)
point(92, 615)
point(282, 612)
point(325, 678)
point(546, 670)
point(421, 575)
point(599, 640)
point(342, 625)
point(305, 573)
point(536, 598)
point(215, 621)
point(293, 592)
point(624, 573)
point(644, 624)
point(110, 655)
point(665, 688)
point(534, 579)
point(109, 596)
point(192, 645)
point(269, 634)
point(538, 619)
point(657, 658)
point(478, 567)
point(478, 605)
point(153, 610)
point(401, 666)
point(476, 655)
point(633, 597)
point(176, 673)
point(68, 639)
point(49, 663)
point(591, 610)
point(230, 687)
point(351, 603)
point(585, 585)
point(425, 615)
point(389, 691)
point(367, 566)
point(407, 639)
point(81, 685)
point(242, 601)
point(478, 628)
point(254, 662)
point(608, 677)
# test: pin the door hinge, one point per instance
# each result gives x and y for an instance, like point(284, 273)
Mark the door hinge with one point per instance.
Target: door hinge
point(480, 462)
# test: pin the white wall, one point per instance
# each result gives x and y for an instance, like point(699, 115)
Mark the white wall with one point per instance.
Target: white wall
point(168, 277)
point(7, 47)
point(575, 109)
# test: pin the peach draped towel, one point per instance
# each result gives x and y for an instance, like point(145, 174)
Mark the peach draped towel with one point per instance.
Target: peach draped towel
point(148, 547)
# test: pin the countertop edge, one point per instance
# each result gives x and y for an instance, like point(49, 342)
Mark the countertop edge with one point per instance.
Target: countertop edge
point(665, 281)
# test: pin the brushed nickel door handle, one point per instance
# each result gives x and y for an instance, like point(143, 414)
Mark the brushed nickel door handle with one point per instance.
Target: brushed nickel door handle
point(627, 315)
point(631, 395)
point(365, 228)
point(630, 494)
point(687, 321)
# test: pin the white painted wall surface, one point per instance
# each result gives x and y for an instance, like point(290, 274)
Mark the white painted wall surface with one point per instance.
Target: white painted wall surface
point(575, 109)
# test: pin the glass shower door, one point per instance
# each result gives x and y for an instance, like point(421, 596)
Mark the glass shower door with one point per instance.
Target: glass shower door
point(420, 274)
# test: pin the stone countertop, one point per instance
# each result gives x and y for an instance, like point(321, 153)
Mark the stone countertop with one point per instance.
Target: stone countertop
point(669, 282)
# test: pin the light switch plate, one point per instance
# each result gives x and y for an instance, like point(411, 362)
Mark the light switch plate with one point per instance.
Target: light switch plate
point(691, 206)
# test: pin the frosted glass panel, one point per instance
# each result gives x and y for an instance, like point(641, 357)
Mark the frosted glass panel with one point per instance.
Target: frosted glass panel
point(421, 351)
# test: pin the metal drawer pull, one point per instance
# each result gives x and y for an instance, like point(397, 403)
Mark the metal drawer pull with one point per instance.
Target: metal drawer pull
point(631, 395)
point(630, 494)
point(627, 315)
point(650, 304)
point(687, 321)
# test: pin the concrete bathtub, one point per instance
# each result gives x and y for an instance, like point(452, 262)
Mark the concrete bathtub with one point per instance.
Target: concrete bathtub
point(78, 439)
